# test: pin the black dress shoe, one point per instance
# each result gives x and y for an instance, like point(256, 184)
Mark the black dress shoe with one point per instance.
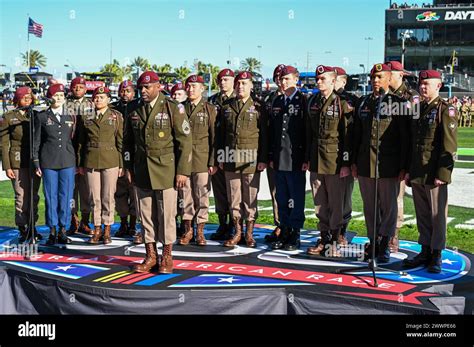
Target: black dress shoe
point(23, 235)
point(435, 263)
point(293, 241)
point(273, 236)
point(62, 238)
point(421, 259)
point(53, 237)
point(282, 238)
point(38, 236)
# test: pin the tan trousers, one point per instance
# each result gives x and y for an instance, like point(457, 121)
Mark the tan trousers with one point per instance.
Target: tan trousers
point(272, 186)
point(330, 198)
point(388, 189)
point(431, 207)
point(157, 212)
point(195, 196)
point(400, 217)
point(21, 187)
point(315, 184)
point(220, 192)
point(242, 191)
point(81, 194)
point(125, 198)
point(102, 185)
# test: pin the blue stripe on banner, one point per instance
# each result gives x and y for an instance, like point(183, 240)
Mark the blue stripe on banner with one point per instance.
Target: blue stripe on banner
point(156, 279)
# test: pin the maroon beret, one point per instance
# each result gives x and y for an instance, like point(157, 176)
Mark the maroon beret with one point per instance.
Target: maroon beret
point(378, 68)
point(21, 92)
point(340, 71)
point(176, 87)
point(148, 77)
point(54, 88)
point(244, 75)
point(225, 72)
point(395, 65)
point(277, 71)
point(194, 79)
point(428, 74)
point(323, 69)
point(124, 85)
point(100, 90)
point(288, 70)
point(78, 80)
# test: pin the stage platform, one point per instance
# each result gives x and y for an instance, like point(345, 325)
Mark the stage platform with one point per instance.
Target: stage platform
point(80, 278)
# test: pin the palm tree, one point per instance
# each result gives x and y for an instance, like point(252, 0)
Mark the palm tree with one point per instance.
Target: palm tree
point(140, 63)
point(163, 68)
point(120, 72)
point(36, 59)
point(182, 72)
point(251, 64)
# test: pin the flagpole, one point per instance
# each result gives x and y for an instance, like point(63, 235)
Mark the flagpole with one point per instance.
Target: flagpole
point(28, 43)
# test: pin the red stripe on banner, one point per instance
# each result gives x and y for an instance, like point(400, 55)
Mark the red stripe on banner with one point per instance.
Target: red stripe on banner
point(326, 278)
point(410, 298)
point(139, 278)
point(126, 278)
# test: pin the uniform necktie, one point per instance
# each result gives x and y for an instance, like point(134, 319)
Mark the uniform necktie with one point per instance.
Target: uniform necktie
point(287, 101)
point(241, 105)
point(148, 109)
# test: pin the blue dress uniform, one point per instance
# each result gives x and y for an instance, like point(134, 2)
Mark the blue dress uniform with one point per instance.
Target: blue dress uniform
point(54, 153)
point(287, 150)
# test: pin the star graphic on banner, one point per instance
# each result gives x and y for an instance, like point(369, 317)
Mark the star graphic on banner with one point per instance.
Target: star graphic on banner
point(227, 279)
point(407, 276)
point(449, 261)
point(65, 268)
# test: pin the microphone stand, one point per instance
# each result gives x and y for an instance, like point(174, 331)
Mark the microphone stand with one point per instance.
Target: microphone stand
point(372, 264)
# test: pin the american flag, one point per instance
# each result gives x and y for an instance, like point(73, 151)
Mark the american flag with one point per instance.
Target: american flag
point(35, 28)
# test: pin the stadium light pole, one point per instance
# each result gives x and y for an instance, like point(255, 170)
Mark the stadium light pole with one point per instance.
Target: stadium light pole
point(405, 35)
point(368, 39)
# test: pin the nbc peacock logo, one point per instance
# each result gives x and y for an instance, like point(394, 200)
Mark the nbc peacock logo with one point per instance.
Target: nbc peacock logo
point(427, 16)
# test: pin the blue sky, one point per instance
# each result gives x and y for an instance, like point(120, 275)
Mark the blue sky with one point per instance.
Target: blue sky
point(79, 32)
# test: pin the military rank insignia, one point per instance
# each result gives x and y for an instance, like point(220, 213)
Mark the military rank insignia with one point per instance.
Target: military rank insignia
point(451, 111)
point(186, 128)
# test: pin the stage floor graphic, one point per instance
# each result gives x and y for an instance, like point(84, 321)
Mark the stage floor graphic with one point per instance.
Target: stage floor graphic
point(81, 278)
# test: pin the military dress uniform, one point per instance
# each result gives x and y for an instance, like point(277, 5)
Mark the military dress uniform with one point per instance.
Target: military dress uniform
point(268, 102)
point(125, 195)
point(100, 153)
point(54, 153)
point(412, 98)
point(80, 108)
point(433, 153)
point(16, 156)
point(218, 179)
point(287, 148)
point(242, 143)
point(157, 147)
point(202, 118)
point(329, 135)
point(393, 152)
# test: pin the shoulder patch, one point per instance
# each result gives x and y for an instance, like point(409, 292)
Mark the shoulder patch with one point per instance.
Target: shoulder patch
point(181, 108)
point(451, 111)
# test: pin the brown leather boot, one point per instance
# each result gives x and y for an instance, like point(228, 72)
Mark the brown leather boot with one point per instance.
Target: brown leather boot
point(74, 225)
point(151, 259)
point(166, 264)
point(394, 243)
point(132, 228)
point(249, 240)
point(237, 234)
point(97, 234)
point(320, 246)
point(200, 239)
point(107, 238)
point(84, 226)
point(188, 233)
point(138, 238)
